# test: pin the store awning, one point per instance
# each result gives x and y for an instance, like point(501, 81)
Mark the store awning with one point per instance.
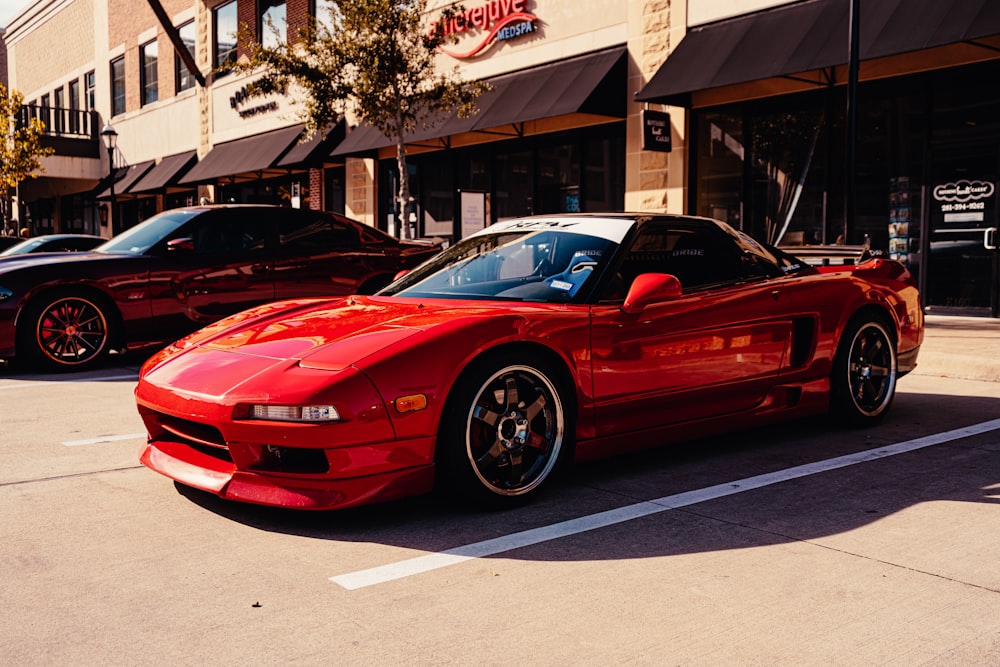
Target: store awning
point(313, 151)
point(244, 156)
point(125, 178)
point(591, 84)
point(798, 46)
point(165, 172)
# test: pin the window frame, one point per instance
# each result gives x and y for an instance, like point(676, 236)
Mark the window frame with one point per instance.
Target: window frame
point(220, 58)
point(118, 100)
point(183, 78)
point(149, 80)
point(265, 36)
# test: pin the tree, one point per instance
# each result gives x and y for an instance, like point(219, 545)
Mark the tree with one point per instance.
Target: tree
point(375, 60)
point(20, 148)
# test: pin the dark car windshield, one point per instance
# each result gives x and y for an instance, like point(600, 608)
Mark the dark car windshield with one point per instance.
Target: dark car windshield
point(550, 266)
point(140, 239)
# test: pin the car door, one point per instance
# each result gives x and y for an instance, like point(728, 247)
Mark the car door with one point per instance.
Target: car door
point(317, 255)
point(216, 265)
point(714, 350)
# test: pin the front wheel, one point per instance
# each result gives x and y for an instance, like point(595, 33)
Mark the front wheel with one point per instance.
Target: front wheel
point(504, 431)
point(863, 383)
point(67, 332)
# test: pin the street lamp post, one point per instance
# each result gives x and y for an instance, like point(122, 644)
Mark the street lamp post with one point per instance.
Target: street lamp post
point(110, 138)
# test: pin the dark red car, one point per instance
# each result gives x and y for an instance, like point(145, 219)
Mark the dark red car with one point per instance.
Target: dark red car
point(183, 269)
point(525, 346)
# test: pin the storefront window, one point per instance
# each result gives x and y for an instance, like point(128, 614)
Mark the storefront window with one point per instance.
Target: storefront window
point(603, 180)
point(286, 191)
point(437, 199)
point(514, 178)
point(558, 179)
point(784, 159)
point(720, 167)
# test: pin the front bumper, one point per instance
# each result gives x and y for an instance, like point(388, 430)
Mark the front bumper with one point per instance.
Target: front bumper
point(190, 467)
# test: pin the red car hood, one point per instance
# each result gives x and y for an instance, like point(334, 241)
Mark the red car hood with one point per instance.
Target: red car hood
point(333, 335)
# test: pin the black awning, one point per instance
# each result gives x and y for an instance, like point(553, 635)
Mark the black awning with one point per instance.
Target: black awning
point(802, 39)
point(246, 155)
point(126, 177)
point(166, 172)
point(594, 83)
point(313, 151)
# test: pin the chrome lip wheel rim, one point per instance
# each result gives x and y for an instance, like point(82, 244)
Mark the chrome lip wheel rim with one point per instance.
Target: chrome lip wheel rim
point(871, 369)
point(515, 431)
point(72, 331)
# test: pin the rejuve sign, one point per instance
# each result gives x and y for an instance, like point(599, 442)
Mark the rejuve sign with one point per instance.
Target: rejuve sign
point(497, 20)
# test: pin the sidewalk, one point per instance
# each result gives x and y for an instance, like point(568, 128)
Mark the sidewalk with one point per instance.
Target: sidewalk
point(960, 347)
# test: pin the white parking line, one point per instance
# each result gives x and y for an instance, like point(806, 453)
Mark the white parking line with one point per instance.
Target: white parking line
point(435, 561)
point(104, 438)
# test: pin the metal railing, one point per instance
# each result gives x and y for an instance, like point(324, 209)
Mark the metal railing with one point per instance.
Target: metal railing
point(59, 122)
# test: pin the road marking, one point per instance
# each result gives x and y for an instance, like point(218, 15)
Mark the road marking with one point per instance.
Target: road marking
point(435, 561)
point(104, 438)
point(110, 378)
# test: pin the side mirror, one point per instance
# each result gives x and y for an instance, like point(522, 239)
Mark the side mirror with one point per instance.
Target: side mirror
point(185, 244)
point(400, 275)
point(650, 288)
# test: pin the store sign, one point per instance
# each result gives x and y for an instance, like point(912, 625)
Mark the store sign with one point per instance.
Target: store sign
point(249, 105)
point(655, 131)
point(964, 201)
point(495, 21)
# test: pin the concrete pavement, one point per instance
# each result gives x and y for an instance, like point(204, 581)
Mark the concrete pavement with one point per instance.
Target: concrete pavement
point(961, 347)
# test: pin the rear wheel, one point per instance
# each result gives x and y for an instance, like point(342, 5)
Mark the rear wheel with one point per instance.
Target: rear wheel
point(863, 383)
point(67, 331)
point(504, 431)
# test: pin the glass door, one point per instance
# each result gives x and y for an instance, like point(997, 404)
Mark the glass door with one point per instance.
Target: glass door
point(962, 257)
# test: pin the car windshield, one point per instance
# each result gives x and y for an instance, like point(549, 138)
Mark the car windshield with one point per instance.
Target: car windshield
point(140, 239)
point(550, 266)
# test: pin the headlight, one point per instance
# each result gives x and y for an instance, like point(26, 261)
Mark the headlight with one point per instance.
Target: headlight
point(5, 293)
point(294, 413)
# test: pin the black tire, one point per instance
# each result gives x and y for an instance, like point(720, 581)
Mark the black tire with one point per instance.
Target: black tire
point(66, 331)
point(505, 431)
point(863, 382)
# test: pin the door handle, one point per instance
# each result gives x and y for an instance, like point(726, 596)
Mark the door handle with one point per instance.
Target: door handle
point(989, 238)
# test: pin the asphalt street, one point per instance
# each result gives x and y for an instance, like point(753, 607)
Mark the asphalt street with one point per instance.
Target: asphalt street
point(803, 544)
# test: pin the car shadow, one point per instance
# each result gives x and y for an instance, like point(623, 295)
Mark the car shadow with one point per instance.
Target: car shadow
point(962, 470)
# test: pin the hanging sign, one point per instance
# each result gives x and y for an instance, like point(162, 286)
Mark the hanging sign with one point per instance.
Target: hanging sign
point(655, 130)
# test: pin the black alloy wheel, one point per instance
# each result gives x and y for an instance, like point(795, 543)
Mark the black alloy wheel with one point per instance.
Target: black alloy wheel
point(504, 444)
point(865, 372)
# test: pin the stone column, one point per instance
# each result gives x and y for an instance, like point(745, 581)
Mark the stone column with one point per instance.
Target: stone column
point(654, 181)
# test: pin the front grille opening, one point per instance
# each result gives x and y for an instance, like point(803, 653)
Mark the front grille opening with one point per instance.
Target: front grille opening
point(274, 458)
point(199, 437)
point(189, 431)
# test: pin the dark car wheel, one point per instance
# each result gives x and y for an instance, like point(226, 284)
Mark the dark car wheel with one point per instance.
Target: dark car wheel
point(864, 372)
point(67, 331)
point(504, 431)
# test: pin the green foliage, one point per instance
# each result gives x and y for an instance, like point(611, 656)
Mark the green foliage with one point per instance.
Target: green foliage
point(374, 60)
point(20, 146)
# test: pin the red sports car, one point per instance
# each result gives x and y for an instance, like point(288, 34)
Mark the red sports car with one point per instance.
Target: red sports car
point(532, 343)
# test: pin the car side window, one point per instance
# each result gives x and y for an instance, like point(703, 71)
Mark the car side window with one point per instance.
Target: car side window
point(698, 257)
point(311, 231)
point(229, 232)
